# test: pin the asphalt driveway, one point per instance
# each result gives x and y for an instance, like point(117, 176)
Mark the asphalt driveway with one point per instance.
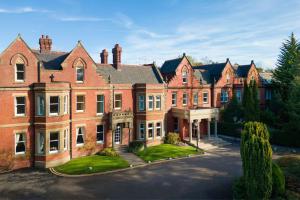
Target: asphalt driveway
point(207, 177)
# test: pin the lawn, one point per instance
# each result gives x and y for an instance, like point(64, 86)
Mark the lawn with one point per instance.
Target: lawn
point(165, 151)
point(92, 164)
point(291, 169)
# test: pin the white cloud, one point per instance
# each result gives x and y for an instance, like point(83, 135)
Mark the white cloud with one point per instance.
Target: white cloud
point(22, 10)
point(81, 19)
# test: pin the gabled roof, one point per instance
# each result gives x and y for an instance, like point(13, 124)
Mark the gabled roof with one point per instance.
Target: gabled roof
point(242, 70)
point(214, 70)
point(203, 76)
point(170, 66)
point(130, 74)
point(51, 60)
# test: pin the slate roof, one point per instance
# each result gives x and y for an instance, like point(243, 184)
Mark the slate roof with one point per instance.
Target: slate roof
point(170, 66)
point(130, 74)
point(51, 60)
point(242, 70)
point(266, 77)
point(214, 70)
point(203, 76)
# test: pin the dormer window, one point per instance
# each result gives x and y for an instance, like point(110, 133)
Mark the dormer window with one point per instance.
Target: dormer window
point(184, 77)
point(20, 72)
point(79, 74)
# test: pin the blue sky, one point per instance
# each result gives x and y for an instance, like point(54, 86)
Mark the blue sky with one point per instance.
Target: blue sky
point(157, 30)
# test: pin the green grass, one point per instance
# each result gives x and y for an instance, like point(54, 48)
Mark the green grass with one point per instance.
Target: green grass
point(165, 151)
point(98, 163)
point(290, 166)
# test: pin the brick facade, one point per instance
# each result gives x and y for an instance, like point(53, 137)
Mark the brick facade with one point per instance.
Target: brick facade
point(75, 106)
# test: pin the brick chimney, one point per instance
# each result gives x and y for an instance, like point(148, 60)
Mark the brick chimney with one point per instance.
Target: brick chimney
point(104, 56)
point(45, 44)
point(117, 51)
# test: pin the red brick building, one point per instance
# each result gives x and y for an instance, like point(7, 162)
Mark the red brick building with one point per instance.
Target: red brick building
point(56, 106)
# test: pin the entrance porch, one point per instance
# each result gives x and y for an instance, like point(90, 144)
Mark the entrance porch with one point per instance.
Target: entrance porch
point(195, 124)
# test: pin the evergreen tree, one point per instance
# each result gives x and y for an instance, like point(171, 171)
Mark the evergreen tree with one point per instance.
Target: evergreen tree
point(256, 154)
point(233, 112)
point(288, 67)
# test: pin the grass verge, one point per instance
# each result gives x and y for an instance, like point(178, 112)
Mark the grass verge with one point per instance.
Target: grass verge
point(165, 151)
point(92, 164)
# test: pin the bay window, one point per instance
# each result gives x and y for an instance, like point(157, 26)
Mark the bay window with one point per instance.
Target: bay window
point(54, 105)
point(142, 131)
point(40, 105)
point(141, 100)
point(54, 142)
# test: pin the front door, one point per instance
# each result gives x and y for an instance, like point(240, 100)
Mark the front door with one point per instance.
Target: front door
point(118, 134)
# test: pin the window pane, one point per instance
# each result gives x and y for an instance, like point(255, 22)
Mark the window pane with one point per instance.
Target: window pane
point(100, 134)
point(20, 142)
point(80, 74)
point(79, 139)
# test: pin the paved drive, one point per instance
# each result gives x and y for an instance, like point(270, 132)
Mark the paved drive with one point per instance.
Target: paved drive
point(207, 177)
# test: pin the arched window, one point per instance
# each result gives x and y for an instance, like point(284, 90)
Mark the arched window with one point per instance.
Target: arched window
point(79, 65)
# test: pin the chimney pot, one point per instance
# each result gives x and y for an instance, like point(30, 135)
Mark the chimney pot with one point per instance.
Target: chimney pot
point(117, 52)
point(104, 56)
point(45, 44)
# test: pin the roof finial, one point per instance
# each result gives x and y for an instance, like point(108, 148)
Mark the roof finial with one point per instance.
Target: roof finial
point(183, 55)
point(227, 59)
point(19, 35)
point(252, 61)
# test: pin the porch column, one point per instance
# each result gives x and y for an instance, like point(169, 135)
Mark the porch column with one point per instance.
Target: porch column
point(216, 128)
point(112, 137)
point(191, 130)
point(208, 128)
point(199, 129)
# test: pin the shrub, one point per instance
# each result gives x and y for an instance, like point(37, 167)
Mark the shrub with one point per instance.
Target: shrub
point(239, 190)
point(256, 153)
point(278, 187)
point(136, 146)
point(109, 152)
point(172, 138)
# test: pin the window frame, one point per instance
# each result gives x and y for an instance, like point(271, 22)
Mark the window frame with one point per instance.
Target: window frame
point(115, 101)
point(17, 142)
point(16, 73)
point(58, 106)
point(184, 99)
point(224, 99)
point(203, 97)
point(157, 102)
point(195, 101)
point(100, 132)
point(39, 143)
point(58, 143)
point(150, 128)
point(16, 106)
point(65, 104)
point(160, 129)
point(101, 103)
point(142, 128)
point(174, 99)
point(82, 134)
point(81, 102)
point(65, 139)
point(77, 68)
point(150, 101)
point(141, 102)
point(38, 105)
point(184, 76)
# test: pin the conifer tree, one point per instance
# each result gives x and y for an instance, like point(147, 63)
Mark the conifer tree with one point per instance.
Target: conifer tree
point(288, 67)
